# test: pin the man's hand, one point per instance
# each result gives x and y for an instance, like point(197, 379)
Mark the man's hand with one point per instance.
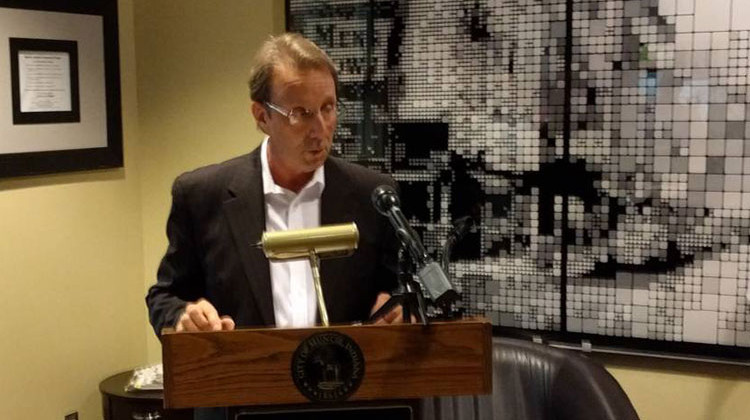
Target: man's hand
point(395, 316)
point(202, 316)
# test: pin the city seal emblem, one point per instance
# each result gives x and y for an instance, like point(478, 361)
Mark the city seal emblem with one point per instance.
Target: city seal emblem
point(328, 366)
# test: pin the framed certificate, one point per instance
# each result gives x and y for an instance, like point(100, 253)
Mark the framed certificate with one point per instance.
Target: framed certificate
point(44, 78)
point(60, 108)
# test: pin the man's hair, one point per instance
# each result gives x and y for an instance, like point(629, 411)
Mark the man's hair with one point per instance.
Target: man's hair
point(289, 49)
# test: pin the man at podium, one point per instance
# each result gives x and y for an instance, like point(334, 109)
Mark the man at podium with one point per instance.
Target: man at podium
point(211, 276)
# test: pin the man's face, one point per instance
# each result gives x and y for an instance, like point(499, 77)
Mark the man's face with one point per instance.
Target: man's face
point(298, 149)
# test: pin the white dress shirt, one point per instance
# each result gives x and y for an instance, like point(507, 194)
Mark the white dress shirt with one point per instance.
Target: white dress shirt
point(294, 300)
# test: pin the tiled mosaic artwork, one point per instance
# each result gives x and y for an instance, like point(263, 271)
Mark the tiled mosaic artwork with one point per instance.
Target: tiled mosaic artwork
point(615, 162)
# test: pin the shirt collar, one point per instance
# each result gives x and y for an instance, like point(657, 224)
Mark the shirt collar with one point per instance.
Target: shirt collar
point(315, 185)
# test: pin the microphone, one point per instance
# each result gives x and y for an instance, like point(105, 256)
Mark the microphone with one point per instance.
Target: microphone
point(461, 227)
point(433, 278)
point(326, 242)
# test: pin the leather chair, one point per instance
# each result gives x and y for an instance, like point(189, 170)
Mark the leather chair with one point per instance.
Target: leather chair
point(534, 381)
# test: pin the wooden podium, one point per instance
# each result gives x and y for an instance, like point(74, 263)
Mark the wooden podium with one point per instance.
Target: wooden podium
point(261, 367)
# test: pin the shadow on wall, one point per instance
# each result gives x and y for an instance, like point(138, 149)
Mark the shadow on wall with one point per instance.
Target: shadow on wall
point(48, 180)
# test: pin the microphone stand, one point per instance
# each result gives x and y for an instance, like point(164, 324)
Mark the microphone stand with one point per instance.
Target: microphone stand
point(461, 227)
point(410, 299)
point(446, 254)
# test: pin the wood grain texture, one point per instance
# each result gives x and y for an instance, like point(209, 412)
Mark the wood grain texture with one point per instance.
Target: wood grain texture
point(252, 366)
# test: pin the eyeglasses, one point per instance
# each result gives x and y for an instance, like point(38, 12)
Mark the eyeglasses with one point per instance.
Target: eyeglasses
point(299, 116)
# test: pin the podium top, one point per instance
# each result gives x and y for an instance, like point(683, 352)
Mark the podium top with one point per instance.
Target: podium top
point(272, 366)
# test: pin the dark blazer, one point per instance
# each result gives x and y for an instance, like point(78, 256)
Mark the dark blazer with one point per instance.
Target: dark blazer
point(218, 213)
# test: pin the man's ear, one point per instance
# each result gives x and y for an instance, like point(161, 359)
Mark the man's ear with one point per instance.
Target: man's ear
point(260, 113)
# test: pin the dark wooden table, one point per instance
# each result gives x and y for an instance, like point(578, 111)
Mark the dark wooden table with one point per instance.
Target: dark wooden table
point(139, 405)
point(148, 405)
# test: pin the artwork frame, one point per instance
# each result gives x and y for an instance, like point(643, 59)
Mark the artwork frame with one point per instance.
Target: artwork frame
point(81, 131)
point(547, 259)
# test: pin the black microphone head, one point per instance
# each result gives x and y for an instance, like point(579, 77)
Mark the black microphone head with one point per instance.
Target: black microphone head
point(461, 226)
point(463, 221)
point(384, 198)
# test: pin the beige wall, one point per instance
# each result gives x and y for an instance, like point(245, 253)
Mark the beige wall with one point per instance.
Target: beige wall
point(71, 276)
point(671, 389)
point(78, 250)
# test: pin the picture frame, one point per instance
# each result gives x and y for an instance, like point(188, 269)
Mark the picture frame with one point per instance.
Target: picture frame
point(59, 62)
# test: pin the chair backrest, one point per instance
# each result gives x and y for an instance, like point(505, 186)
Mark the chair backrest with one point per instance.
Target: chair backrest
point(534, 381)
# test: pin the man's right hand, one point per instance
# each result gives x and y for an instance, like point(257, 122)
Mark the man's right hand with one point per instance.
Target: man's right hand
point(202, 316)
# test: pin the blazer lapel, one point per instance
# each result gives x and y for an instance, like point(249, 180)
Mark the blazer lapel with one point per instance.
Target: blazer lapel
point(337, 205)
point(246, 213)
point(336, 201)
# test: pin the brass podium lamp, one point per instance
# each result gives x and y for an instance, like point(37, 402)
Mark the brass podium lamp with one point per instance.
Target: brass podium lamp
point(323, 242)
